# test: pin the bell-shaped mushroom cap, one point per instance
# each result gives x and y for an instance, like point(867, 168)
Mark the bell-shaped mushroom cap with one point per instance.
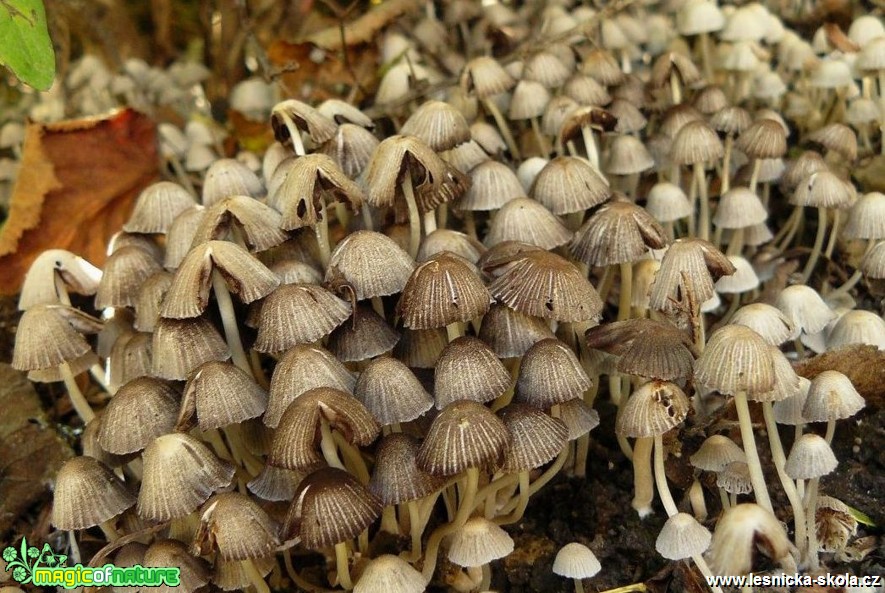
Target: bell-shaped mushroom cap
point(831, 396)
point(479, 542)
point(647, 348)
point(741, 532)
point(766, 320)
point(578, 417)
point(824, 189)
point(486, 77)
point(717, 452)
point(583, 89)
point(628, 156)
point(298, 314)
point(303, 117)
point(838, 138)
point(75, 273)
point(667, 202)
point(49, 335)
point(836, 524)
point(157, 206)
point(857, 327)
point(437, 124)
point(458, 243)
point(150, 300)
point(735, 478)
point(493, 184)
point(789, 411)
point(351, 148)
point(671, 64)
point(510, 333)
point(301, 369)
point(736, 359)
point(229, 177)
point(696, 143)
point(180, 236)
point(298, 433)
point(139, 412)
point(739, 208)
point(866, 219)
point(235, 576)
point(529, 100)
point(243, 273)
point(396, 477)
point(786, 381)
point(810, 457)
point(257, 223)
point(441, 291)
point(87, 493)
point(682, 537)
point(550, 374)
point(545, 67)
point(535, 437)
point(690, 265)
point(391, 392)
point(372, 263)
point(420, 348)
point(391, 574)
point(464, 435)
point(222, 394)
point(180, 473)
point(235, 527)
point(618, 232)
point(569, 184)
point(124, 272)
point(365, 335)
point(652, 410)
point(468, 369)
point(524, 219)
point(764, 139)
point(805, 308)
point(181, 345)
point(130, 358)
point(329, 507)
point(275, 483)
point(543, 284)
point(576, 561)
point(194, 572)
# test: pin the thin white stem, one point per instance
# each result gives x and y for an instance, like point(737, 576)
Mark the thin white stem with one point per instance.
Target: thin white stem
point(661, 478)
point(756, 476)
point(229, 321)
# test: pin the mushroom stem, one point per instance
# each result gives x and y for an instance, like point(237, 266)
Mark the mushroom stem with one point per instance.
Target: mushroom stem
point(811, 510)
point(490, 106)
point(294, 134)
point(834, 233)
point(464, 510)
point(322, 232)
point(542, 142)
point(736, 242)
point(454, 330)
point(701, 183)
point(429, 222)
point(181, 174)
point(110, 533)
point(388, 520)
point(696, 498)
point(723, 499)
point(614, 389)
point(327, 446)
point(342, 566)
point(754, 176)
point(818, 245)
point(704, 42)
point(756, 476)
point(590, 146)
point(779, 458)
point(704, 568)
point(579, 586)
point(416, 528)
point(240, 452)
point(675, 88)
point(626, 293)
point(486, 578)
point(255, 576)
point(831, 430)
point(229, 321)
point(661, 478)
point(414, 215)
point(81, 406)
point(643, 481)
point(522, 501)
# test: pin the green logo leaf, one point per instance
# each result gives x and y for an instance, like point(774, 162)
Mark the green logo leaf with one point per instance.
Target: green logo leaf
point(25, 47)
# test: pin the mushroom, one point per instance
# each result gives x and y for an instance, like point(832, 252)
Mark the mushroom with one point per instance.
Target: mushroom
point(577, 562)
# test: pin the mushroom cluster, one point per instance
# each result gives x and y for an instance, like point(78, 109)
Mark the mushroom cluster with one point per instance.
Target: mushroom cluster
point(401, 323)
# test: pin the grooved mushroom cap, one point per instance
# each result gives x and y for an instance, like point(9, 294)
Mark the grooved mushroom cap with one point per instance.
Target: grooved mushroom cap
point(49, 335)
point(437, 124)
point(546, 68)
point(141, 410)
point(391, 574)
point(736, 359)
point(391, 392)
point(569, 184)
point(486, 77)
point(529, 100)
point(652, 410)
point(124, 272)
point(444, 289)
point(811, 457)
point(510, 333)
point(535, 437)
point(157, 206)
point(647, 348)
point(298, 314)
point(307, 119)
point(805, 308)
point(838, 138)
point(857, 327)
point(578, 417)
point(130, 358)
point(543, 284)
point(235, 527)
point(807, 164)
point(550, 374)
point(221, 394)
point(832, 396)
point(150, 300)
point(789, 411)
point(181, 235)
point(731, 120)
point(330, 506)
point(618, 232)
point(493, 184)
point(667, 202)
point(716, 452)
point(824, 189)
point(295, 440)
point(39, 286)
point(866, 219)
point(233, 576)
point(735, 478)
point(180, 473)
point(181, 345)
point(258, 223)
point(468, 369)
point(786, 381)
point(696, 143)
point(767, 321)
point(420, 348)
point(576, 561)
point(396, 477)
point(372, 263)
point(628, 156)
point(479, 542)
point(301, 369)
point(244, 275)
point(464, 435)
point(351, 148)
point(275, 483)
point(670, 63)
point(689, 265)
point(524, 219)
point(739, 208)
point(764, 139)
point(229, 177)
point(741, 532)
point(365, 335)
point(584, 90)
point(682, 537)
point(87, 493)
point(458, 243)
point(170, 552)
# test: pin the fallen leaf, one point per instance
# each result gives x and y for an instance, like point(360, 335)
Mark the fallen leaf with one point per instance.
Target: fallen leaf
point(76, 186)
point(864, 365)
point(314, 74)
point(362, 30)
point(30, 449)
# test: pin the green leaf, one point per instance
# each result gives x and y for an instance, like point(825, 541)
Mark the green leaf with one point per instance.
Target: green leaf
point(861, 517)
point(25, 47)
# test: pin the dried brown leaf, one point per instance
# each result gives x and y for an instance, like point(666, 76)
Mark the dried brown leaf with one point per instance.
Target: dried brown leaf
point(864, 365)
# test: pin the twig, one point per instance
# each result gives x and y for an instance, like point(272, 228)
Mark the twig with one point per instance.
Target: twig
point(341, 15)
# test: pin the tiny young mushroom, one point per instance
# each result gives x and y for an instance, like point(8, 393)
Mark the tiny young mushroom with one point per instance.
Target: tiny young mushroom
point(831, 397)
point(714, 455)
point(476, 544)
point(682, 537)
point(577, 562)
point(390, 574)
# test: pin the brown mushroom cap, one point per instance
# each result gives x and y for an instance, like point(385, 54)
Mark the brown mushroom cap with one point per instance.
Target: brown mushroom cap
point(396, 477)
point(141, 410)
point(736, 359)
point(510, 333)
point(87, 493)
point(535, 437)
point(468, 369)
point(298, 314)
point(653, 409)
point(49, 335)
point(391, 392)
point(618, 232)
point(181, 345)
point(221, 394)
point(438, 124)
point(372, 263)
point(550, 374)
point(157, 206)
point(365, 335)
point(194, 572)
point(647, 348)
point(236, 527)
point(569, 184)
point(464, 435)
point(257, 224)
point(124, 272)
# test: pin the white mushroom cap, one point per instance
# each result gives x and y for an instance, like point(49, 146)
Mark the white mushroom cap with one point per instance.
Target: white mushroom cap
point(811, 457)
point(682, 537)
point(576, 561)
point(390, 574)
point(479, 542)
